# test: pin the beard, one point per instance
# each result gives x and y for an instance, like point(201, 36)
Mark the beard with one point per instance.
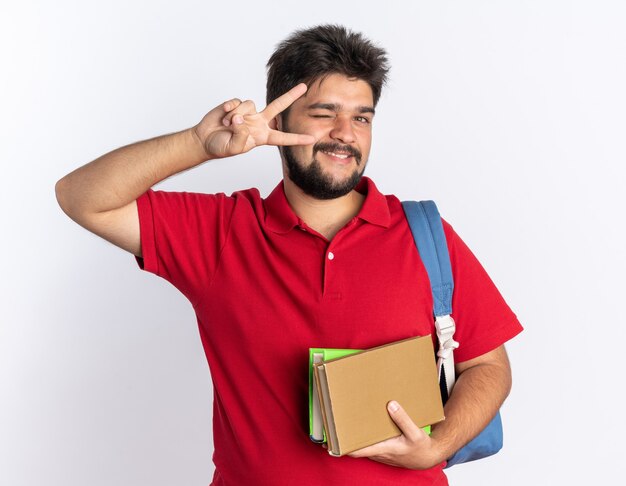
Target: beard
point(312, 179)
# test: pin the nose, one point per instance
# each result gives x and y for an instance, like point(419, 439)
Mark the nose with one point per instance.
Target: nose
point(342, 130)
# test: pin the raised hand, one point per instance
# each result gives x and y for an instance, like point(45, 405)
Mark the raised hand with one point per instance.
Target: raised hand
point(235, 127)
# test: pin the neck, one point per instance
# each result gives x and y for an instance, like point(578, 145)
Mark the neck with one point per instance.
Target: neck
point(326, 216)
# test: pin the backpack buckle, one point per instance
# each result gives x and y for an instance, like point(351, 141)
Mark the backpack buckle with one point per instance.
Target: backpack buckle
point(445, 327)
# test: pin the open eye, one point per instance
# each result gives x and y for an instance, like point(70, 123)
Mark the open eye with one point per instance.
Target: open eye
point(363, 119)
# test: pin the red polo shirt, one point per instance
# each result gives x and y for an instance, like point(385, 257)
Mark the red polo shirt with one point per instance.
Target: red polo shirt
point(266, 288)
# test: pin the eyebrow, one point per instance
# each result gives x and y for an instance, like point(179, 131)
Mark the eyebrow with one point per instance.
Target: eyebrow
point(336, 107)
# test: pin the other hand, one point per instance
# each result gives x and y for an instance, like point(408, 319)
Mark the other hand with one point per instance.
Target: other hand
point(414, 449)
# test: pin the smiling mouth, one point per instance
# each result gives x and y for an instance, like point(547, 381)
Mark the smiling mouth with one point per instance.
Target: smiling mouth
point(338, 155)
point(338, 152)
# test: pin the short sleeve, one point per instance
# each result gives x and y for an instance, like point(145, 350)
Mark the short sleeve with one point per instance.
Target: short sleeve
point(483, 319)
point(182, 235)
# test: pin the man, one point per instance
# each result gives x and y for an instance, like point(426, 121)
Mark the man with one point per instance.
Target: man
point(324, 261)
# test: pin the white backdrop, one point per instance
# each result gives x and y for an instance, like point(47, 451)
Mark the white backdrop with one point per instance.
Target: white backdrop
point(510, 114)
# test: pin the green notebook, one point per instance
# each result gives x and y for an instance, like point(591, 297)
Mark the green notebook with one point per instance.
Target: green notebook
point(316, 422)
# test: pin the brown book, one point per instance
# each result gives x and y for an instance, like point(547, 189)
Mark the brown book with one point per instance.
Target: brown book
point(354, 392)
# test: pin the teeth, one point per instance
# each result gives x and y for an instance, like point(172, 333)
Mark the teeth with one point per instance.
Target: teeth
point(340, 156)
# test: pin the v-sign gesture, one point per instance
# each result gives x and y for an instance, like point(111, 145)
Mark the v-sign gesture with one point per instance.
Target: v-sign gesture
point(235, 127)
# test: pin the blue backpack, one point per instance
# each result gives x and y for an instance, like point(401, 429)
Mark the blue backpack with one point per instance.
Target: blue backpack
point(425, 223)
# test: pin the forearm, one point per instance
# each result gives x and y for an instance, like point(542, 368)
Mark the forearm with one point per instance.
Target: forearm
point(121, 176)
point(101, 195)
point(478, 393)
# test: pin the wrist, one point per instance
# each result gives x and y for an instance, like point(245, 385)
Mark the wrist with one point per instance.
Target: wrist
point(443, 441)
point(438, 453)
point(196, 144)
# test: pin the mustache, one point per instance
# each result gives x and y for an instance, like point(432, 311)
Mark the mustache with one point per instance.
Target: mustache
point(336, 147)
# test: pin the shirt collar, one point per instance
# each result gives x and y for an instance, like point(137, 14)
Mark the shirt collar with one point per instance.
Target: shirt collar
point(280, 218)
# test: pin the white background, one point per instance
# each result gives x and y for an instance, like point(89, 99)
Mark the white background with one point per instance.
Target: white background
point(511, 115)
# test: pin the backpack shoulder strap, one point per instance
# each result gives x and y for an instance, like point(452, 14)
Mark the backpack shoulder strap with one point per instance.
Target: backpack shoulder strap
point(430, 239)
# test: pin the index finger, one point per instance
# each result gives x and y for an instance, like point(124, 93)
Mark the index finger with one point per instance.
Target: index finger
point(284, 101)
point(377, 449)
point(283, 138)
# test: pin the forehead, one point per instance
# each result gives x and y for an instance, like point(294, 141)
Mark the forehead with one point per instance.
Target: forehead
point(349, 93)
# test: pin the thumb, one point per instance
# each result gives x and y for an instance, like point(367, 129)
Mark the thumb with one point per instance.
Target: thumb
point(241, 132)
point(404, 421)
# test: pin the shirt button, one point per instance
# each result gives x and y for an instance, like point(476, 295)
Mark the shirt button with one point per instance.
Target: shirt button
point(331, 255)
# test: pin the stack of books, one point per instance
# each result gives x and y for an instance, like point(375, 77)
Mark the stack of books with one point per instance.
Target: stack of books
point(349, 390)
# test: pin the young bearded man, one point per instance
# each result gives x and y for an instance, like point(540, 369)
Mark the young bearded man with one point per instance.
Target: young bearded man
point(325, 260)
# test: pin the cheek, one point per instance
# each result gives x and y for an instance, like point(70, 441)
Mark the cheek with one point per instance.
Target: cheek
point(365, 143)
point(306, 152)
point(302, 153)
point(368, 139)
point(316, 127)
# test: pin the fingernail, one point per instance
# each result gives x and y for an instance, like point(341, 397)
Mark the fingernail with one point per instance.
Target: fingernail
point(238, 120)
point(393, 406)
point(226, 122)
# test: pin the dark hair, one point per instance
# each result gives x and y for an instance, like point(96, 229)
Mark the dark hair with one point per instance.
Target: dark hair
point(314, 53)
